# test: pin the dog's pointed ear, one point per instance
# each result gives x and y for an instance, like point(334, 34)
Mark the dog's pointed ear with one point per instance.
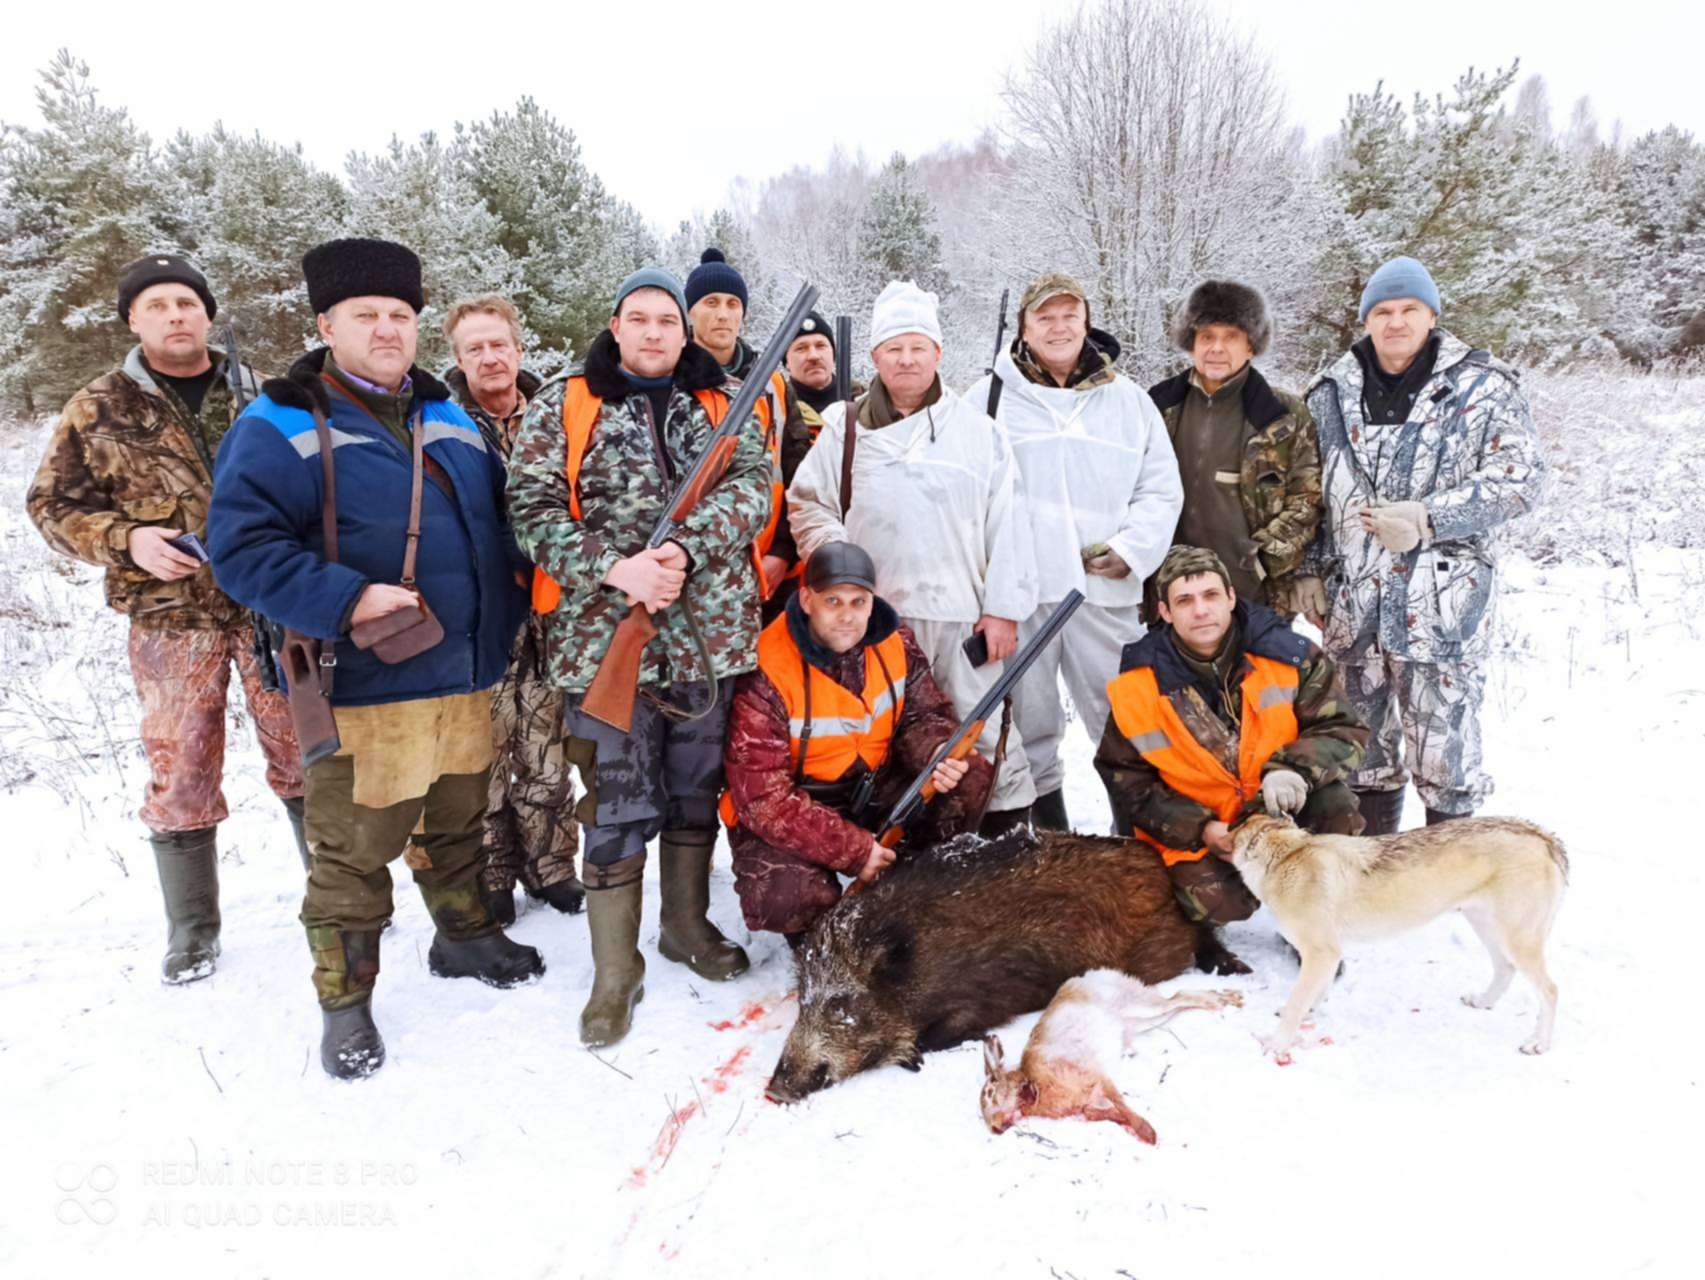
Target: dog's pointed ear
point(994, 1057)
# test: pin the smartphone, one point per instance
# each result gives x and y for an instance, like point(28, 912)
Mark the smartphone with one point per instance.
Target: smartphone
point(977, 649)
point(190, 545)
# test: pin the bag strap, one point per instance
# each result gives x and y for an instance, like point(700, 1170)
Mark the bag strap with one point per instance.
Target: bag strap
point(418, 432)
point(324, 652)
point(849, 443)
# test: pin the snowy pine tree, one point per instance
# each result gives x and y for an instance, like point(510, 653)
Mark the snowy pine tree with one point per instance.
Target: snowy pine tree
point(897, 237)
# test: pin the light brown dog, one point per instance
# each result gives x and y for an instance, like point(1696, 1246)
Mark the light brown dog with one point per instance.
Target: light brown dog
point(1505, 875)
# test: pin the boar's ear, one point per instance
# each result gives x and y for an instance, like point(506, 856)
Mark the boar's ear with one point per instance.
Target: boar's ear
point(994, 1057)
point(891, 952)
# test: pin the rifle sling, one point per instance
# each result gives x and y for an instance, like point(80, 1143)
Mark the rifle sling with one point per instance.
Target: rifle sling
point(849, 443)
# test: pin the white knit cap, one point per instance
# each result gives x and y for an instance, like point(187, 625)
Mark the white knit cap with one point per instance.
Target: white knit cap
point(904, 308)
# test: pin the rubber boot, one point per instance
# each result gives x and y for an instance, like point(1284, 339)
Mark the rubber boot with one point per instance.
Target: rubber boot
point(687, 936)
point(350, 1045)
point(613, 898)
point(494, 958)
point(1049, 812)
point(1000, 821)
point(346, 967)
point(1435, 816)
point(567, 896)
point(297, 808)
point(189, 881)
point(1382, 811)
point(499, 904)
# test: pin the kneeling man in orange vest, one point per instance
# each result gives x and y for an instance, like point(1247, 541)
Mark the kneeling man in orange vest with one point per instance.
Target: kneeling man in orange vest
point(1222, 712)
point(839, 717)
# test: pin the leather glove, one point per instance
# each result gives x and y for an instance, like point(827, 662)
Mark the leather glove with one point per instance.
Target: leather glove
point(1399, 526)
point(1283, 792)
point(1104, 562)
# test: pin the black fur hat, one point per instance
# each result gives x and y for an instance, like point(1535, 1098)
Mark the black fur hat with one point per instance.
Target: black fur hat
point(1224, 302)
point(340, 269)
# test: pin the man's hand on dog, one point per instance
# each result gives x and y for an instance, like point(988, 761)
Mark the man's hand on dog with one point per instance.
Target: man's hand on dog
point(1217, 836)
point(1283, 792)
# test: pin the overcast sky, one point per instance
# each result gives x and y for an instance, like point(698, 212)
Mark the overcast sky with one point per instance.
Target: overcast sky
point(671, 100)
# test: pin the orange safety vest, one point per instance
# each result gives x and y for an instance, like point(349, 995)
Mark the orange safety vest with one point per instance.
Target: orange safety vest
point(772, 413)
point(1152, 725)
point(830, 728)
point(579, 415)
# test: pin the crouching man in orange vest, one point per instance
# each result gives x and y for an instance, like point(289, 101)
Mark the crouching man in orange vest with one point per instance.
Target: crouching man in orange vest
point(839, 717)
point(1222, 712)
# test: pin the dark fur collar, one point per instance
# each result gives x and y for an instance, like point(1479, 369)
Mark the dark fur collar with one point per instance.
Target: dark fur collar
point(697, 371)
point(1261, 407)
point(301, 388)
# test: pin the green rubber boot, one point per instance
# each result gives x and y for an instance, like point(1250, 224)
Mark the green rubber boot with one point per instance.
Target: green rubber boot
point(687, 936)
point(189, 881)
point(613, 901)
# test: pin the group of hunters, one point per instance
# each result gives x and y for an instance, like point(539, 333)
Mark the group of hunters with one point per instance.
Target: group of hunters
point(459, 552)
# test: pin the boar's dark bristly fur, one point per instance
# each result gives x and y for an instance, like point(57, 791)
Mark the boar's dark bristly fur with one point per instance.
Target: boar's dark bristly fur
point(957, 939)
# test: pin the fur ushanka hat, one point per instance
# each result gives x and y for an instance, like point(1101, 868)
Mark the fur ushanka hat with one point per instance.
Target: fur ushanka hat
point(1224, 302)
point(359, 268)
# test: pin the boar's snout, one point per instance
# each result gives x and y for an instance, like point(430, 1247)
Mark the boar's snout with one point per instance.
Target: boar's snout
point(792, 1081)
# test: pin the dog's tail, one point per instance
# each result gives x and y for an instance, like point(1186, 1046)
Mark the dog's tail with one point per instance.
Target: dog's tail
point(1558, 853)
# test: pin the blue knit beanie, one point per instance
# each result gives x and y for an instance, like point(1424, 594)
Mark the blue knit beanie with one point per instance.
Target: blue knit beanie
point(714, 275)
point(652, 278)
point(1400, 278)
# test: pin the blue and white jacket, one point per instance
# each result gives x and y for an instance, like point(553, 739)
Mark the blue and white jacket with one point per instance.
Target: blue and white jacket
point(264, 532)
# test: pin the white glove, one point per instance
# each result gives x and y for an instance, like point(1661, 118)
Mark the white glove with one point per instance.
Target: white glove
point(1283, 792)
point(1399, 526)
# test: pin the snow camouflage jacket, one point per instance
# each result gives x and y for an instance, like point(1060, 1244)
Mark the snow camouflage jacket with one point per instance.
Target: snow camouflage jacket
point(623, 491)
point(127, 452)
point(1329, 745)
point(1279, 481)
point(1469, 452)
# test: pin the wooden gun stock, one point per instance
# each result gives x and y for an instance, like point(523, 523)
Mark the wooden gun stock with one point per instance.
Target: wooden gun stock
point(962, 748)
point(610, 696)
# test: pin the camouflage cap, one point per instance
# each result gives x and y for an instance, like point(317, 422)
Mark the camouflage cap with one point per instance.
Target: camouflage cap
point(1187, 562)
point(1052, 285)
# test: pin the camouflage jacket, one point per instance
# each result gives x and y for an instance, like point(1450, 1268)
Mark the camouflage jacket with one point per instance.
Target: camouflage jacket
point(127, 452)
point(1279, 482)
point(1469, 452)
point(623, 493)
point(526, 383)
point(1330, 741)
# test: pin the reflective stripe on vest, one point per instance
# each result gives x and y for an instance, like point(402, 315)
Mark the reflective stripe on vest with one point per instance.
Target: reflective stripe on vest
point(1153, 727)
point(844, 727)
point(579, 415)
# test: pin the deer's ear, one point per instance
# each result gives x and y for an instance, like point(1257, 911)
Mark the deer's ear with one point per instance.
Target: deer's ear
point(994, 1057)
point(1028, 1093)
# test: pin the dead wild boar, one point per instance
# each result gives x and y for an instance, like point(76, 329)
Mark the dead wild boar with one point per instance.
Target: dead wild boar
point(958, 939)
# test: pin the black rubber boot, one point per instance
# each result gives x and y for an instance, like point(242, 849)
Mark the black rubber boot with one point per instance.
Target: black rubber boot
point(1049, 812)
point(567, 896)
point(1000, 821)
point(499, 904)
point(297, 808)
point(1382, 811)
point(350, 1045)
point(188, 862)
point(493, 958)
point(687, 936)
point(1212, 954)
point(1435, 816)
point(613, 901)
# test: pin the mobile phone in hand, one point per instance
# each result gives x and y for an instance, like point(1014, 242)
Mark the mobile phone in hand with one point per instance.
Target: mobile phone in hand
point(977, 648)
point(190, 545)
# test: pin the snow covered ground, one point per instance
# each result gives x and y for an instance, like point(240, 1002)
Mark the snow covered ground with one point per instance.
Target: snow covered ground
point(153, 1131)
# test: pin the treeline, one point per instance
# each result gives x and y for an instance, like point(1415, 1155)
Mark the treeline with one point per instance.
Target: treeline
point(1143, 146)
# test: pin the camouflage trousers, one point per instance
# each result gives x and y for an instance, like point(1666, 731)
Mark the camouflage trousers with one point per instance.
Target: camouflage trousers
point(182, 678)
point(422, 762)
point(1210, 891)
point(1425, 723)
point(664, 775)
point(530, 831)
